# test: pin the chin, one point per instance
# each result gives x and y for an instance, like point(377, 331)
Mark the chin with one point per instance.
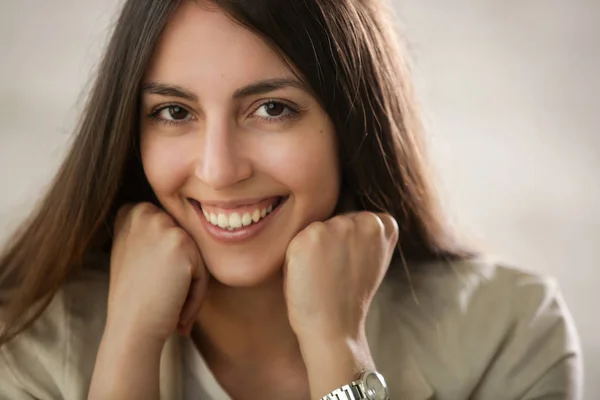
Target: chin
point(244, 272)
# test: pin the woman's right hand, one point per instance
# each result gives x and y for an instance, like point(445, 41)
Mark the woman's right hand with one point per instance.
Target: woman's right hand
point(157, 284)
point(157, 276)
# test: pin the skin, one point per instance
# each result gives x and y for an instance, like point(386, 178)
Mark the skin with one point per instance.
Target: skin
point(306, 280)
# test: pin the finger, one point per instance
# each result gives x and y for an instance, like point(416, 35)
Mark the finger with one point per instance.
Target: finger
point(198, 286)
point(193, 302)
point(390, 226)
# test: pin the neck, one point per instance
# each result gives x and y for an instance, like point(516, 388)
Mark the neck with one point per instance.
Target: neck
point(246, 325)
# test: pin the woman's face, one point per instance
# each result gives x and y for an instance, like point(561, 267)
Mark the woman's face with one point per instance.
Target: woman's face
point(229, 133)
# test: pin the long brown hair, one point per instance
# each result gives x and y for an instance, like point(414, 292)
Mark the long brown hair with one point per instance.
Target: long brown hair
point(346, 50)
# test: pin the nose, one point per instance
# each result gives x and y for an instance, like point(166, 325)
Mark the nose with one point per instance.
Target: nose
point(222, 162)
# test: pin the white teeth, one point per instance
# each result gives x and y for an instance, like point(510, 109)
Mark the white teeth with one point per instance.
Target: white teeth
point(246, 219)
point(256, 215)
point(223, 221)
point(235, 221)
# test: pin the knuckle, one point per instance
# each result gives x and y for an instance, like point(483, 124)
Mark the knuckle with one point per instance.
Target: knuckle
point(370, 223)
point(161, 221)
point(121, 216)
point(139, 212)
point(316, 230)
point(176, 238)
point(123, 211)
point(312, 233)
point(390, 226)
point(142, 209)
point(344, 225)
point(395, 229)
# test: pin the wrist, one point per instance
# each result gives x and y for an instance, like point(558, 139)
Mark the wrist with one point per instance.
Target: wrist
point(316, 345)
point(128, 343)
point(133, 337)
point(126, 368)
point(334, 363)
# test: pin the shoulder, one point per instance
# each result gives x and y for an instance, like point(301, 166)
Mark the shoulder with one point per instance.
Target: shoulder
point(473, 288)
point(479, 326)
point(54, 357)
point(471, 285)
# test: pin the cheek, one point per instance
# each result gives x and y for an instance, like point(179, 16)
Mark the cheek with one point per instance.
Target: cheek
point(165, 163)
point(307, 164)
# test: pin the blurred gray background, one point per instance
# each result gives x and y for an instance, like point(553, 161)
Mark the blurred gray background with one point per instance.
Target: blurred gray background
point(510, 94)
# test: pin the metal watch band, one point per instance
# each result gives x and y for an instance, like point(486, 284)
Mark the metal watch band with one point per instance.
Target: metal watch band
point(352, 391)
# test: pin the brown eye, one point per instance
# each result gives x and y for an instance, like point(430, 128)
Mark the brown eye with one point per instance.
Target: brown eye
point(172, 114)
point(177, 113)
point(274, 109)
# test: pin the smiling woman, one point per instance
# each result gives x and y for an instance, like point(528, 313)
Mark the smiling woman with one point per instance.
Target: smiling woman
point(245, 213)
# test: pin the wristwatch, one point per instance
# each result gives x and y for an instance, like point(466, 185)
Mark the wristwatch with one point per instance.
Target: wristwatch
point(370, 386)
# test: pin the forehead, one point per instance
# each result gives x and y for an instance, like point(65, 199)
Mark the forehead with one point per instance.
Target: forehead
point(202, 47)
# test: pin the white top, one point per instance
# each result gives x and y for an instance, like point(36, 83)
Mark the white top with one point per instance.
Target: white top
point(198, 380)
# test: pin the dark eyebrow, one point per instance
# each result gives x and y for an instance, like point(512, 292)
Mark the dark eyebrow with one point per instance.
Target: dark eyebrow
point(260, 87)
point(168, 90)
point(267, 86)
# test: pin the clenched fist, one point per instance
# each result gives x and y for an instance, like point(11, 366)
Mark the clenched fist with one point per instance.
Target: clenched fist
point(157, 278)
point(332, 272)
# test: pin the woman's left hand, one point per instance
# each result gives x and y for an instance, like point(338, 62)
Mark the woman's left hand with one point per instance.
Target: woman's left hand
point(331, 274)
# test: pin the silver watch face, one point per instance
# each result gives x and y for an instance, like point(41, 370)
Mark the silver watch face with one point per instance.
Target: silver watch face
point(375, 386)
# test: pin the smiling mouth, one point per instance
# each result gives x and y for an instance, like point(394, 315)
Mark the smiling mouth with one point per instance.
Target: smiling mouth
point(234, 219)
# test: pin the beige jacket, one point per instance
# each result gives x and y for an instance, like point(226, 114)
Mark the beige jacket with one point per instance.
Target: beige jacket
point(466, 330)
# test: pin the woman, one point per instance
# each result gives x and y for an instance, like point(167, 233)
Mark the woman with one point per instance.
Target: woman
point(254, 169)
